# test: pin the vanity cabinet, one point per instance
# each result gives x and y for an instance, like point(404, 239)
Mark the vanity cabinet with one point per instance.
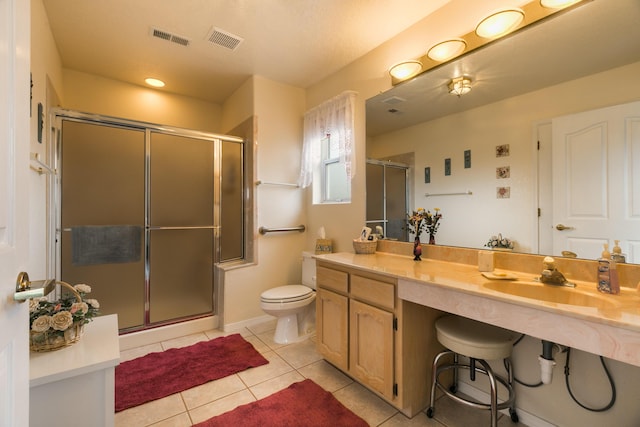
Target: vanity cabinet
point(381, 341)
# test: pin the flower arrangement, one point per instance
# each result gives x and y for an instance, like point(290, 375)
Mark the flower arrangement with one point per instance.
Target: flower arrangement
point(54, 324)
point(499, 242)
point(422, 220)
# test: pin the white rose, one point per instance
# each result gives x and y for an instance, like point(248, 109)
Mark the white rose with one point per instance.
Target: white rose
point(41, 324)
point(61, 320)
point(34, 304)
point(93, 303)
point(79, 306)
point(82, 288)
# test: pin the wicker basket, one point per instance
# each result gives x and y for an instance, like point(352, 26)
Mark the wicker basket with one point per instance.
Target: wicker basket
point(50, 340)
point(365, 247)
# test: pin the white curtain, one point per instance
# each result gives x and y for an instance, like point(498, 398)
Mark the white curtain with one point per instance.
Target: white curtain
point(334, 118)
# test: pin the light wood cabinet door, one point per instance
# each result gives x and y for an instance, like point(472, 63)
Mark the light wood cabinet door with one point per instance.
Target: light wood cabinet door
point(371, 347)
point(332, 327)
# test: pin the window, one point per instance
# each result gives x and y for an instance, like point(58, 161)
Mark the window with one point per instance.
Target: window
point(336, 186)
point(328, 153)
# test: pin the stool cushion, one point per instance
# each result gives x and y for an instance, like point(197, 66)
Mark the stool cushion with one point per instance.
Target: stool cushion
point(474, 339)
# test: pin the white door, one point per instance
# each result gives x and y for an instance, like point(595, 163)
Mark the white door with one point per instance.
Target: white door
point(14, 169)
point(596, 181)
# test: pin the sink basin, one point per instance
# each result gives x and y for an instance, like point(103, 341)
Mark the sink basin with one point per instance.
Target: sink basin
point(551, 293)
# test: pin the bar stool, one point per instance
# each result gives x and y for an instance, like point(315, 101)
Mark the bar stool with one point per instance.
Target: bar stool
point(479, 342)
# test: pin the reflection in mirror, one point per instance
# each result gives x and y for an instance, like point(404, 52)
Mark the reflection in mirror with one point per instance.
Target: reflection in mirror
point(562, 66)
point(387, 198)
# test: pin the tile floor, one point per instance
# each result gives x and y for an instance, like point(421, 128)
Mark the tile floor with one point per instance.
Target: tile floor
point(287, 364)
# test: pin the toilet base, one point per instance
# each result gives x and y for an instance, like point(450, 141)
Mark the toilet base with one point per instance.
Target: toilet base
point(287, 330)
point(295, 327)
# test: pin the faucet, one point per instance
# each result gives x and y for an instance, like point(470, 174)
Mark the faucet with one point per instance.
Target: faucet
point(552, 276)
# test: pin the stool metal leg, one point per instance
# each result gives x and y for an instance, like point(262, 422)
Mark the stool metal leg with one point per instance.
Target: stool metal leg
point(434, 378)
point(454, 386)
point(493, 392)
point(474, 365)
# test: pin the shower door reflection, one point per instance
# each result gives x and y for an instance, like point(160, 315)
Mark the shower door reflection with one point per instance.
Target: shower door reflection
point(387, 198)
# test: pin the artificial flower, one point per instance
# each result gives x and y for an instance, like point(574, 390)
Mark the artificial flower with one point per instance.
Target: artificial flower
point(422, 220)
point(41, 324)
point(61, 320)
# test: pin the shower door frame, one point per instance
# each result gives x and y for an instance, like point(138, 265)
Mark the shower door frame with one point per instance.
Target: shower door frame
point(57, 115)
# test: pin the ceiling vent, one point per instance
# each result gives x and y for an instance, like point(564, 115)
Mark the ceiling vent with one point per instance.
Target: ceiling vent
point(165, 35)
point(222, 38)
point(393, 100)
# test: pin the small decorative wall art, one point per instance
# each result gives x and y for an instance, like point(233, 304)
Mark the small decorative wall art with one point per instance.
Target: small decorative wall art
point(503, 172)
point(427, 175)
point(447, 167)
point(502, 150)
point(467, 159)
point(503, 192)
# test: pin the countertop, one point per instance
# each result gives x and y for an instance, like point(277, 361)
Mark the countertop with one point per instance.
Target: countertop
point(610, 326)
point(98, 349)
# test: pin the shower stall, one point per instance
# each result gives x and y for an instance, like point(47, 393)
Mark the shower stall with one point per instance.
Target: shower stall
point(144, 213)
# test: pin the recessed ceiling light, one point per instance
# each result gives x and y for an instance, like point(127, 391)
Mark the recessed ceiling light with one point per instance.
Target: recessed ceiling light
point(154, 82)
point(557, 4)
point(405, 69)
point(447, 50)
point(499, 23)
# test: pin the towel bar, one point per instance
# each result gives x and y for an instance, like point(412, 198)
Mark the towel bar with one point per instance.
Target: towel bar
point(265, 230)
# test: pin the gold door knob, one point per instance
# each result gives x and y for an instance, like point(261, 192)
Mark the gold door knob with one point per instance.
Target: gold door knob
point(561, 227)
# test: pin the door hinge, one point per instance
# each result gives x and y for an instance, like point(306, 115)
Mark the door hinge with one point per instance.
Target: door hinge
point(538, 145)
point(539, 212)
point(395, 323)
point(395, 389)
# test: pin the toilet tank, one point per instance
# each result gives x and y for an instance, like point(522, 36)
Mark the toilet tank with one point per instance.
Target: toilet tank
point(308, 270)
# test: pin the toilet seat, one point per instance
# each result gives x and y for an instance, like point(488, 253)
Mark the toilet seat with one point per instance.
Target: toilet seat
point(287, 293)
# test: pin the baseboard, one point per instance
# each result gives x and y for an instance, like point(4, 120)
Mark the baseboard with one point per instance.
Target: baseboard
point(524, 416)
point(230, 327)
point(164, 333)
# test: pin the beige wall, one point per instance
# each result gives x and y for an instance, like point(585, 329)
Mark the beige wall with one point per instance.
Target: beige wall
point(94, 94)
point(278, 256)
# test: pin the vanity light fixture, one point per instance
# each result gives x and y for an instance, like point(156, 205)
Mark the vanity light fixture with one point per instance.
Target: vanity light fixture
point(460, 86)
point(558, 4)
point(405, 69)
point(500, 23)
point(154, 82)
point(447, 50)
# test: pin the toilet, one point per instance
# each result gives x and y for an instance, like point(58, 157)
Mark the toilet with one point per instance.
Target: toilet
point(293, 305)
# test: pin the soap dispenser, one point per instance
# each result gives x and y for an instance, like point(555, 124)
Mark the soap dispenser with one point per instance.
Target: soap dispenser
point(607, 273)
point(616, 253)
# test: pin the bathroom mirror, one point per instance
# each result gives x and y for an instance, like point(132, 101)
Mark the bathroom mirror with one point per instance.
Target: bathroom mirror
point(592, 38)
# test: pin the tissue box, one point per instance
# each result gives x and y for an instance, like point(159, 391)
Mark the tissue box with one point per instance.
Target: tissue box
point(323, 246)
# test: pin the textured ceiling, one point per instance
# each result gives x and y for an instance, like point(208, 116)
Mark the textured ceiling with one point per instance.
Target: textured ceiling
point(296, 42)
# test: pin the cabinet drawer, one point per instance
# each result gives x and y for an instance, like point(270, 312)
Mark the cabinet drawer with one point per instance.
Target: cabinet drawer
point(373, 291)
point(332, 279)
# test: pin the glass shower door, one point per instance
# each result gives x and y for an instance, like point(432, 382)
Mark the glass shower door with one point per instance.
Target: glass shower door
point(102, 216)
point(181, 227)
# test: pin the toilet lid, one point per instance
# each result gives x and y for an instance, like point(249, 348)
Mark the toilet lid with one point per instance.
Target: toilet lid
point(288, 293)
